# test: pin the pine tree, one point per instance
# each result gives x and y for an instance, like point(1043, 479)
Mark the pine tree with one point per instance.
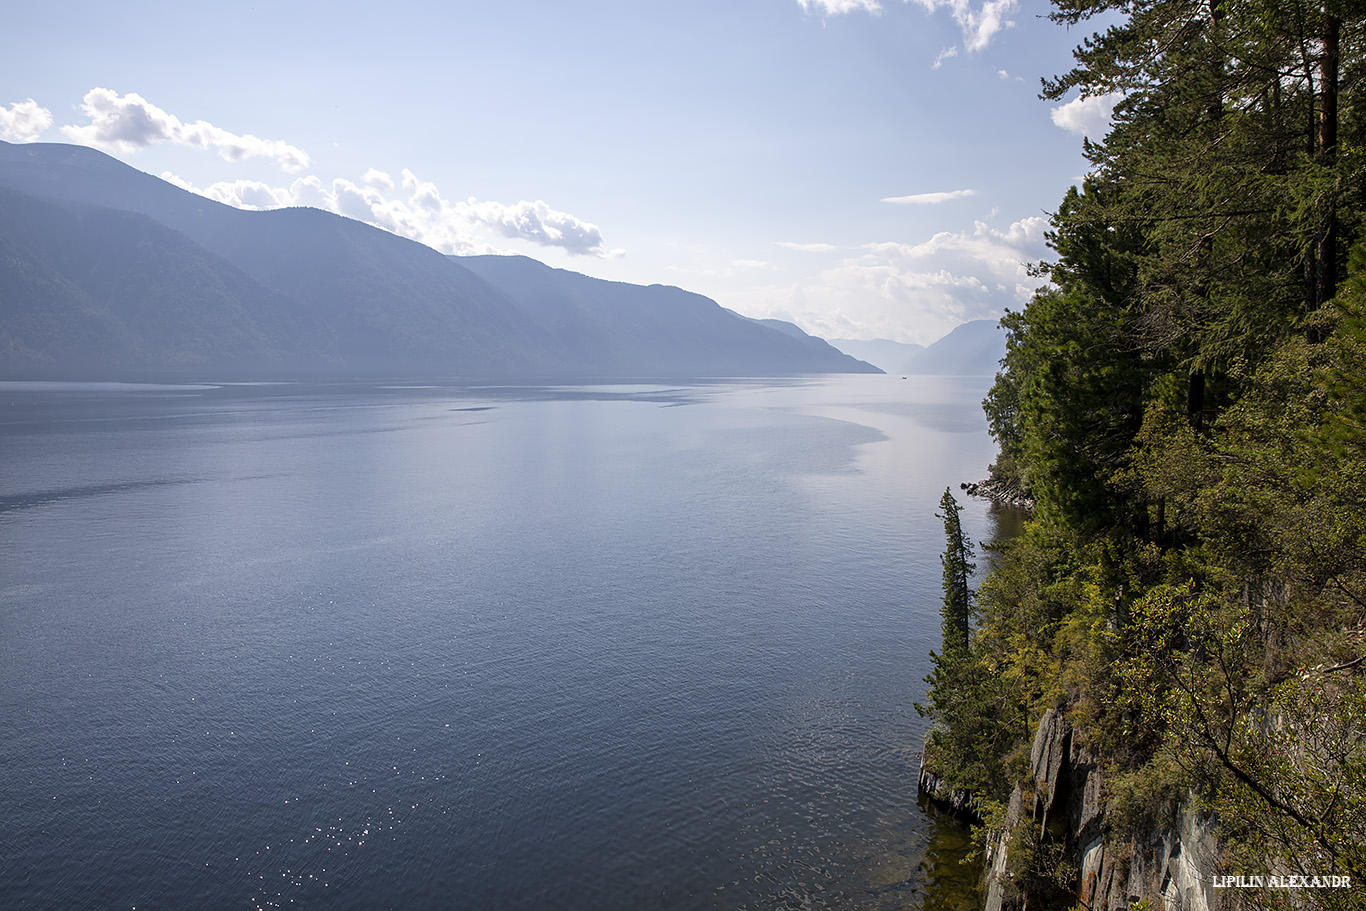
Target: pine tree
point(968, 742)
point(958, 568)
point(1184, 402)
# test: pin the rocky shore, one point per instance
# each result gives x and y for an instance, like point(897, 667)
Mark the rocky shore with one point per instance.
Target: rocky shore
point(931, 784)
point(997, 492)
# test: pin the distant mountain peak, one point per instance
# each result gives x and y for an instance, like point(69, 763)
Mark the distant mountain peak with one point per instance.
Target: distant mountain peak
point(974, 348)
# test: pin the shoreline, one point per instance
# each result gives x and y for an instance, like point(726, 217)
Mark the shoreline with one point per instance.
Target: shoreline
point(996, 492)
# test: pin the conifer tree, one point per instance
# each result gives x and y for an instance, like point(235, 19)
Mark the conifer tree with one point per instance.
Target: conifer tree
point(1184, 402)
point(958, 567)
point(967, 744)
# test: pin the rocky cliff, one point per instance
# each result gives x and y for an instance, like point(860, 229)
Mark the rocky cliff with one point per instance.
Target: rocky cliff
point(1056, 835)
point(931, 783)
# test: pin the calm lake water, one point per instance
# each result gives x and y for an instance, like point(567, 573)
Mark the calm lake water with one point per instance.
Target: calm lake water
point(617, 647)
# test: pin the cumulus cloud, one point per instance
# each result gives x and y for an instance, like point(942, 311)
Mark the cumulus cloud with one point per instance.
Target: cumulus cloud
point(418, 211)
point(952, 277)
point(243, 194)
point(1087, 116)
point(181, 182)
point(979, 24)
point(379, 180)
point(126, 123)
point(914, 292)
point(23, 121)
point(929, 199)
point(835, 7)
point(537, 222)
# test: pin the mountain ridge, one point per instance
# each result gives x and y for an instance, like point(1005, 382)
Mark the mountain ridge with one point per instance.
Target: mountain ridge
point(974, 348)
point(300, 290)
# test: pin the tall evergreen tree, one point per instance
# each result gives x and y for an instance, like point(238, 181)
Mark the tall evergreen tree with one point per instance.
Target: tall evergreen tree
point(967, 743)
point(958, 569)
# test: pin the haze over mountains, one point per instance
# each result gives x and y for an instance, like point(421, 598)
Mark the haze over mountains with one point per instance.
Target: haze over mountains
point(973, 349)
point(106, 269)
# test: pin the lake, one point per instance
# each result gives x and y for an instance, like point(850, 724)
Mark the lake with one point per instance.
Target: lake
point(589, 647)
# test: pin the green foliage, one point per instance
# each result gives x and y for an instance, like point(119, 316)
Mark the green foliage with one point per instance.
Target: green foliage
point(958, 569)
point(1039, 870)
point(1186, 400)
point(967, 743)
point(1299, 787)
point(1147, 798)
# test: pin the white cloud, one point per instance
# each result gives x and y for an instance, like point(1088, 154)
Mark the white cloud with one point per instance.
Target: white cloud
point(253, 194)
point(835, 7)
point(126, 123)
point(929, 199)
point(537, 222)
point(1087, 116)
point(418, 212)
point(181, 182)
point(979, 25)
point(379, 180)
point(945, 54)
point(305, 191)
point(23, 121)
point(807, 248)
point(912, 292)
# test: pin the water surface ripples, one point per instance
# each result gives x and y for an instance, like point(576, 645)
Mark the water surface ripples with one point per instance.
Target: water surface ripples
point(430, 647)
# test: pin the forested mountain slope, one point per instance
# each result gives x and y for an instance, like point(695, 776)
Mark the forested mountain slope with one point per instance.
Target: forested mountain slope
point(103, 267)
point(1186, 400)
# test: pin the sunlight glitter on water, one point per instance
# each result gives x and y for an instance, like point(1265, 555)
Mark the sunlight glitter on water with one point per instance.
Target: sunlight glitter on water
point(363, 648)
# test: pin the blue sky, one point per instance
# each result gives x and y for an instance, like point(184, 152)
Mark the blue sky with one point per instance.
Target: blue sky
point(865, 168)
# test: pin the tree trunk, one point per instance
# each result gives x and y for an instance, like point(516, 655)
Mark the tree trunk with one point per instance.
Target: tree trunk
point(1325, 251)
point(1195, 399)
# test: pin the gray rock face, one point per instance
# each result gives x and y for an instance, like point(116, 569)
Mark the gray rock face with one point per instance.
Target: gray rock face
point(998, 493)
point(1172, 867)
point(931, 783)
point(1001, 892)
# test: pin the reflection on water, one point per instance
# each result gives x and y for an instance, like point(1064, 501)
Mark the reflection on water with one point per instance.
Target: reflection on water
point(590, 647)
point(33, 498)
point(949, 875)
point(1006, 521)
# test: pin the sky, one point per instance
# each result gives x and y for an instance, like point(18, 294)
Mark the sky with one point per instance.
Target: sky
point(863, 168)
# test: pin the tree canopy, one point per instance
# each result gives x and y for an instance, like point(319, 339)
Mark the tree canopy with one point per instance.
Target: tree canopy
point(1185, 399)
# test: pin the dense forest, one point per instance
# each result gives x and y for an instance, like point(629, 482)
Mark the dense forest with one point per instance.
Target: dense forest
point(1185, 400)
